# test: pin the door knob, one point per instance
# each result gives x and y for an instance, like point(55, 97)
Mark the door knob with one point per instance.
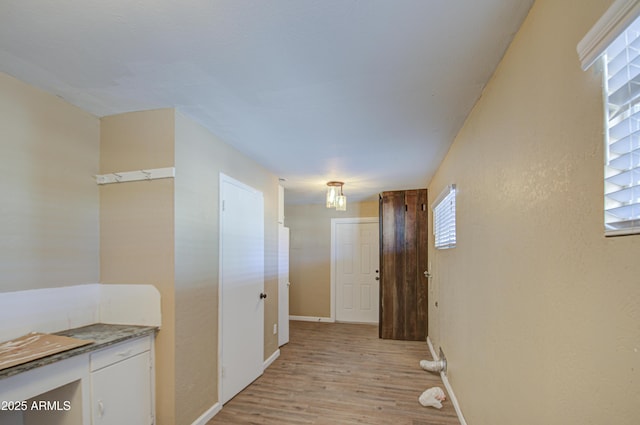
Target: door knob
point(377, 277)
point(263, 295)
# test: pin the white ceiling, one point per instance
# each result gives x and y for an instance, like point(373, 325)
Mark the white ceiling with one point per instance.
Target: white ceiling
point(370, 92)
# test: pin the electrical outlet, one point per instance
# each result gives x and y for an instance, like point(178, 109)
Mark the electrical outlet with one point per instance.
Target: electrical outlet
point(275, 328)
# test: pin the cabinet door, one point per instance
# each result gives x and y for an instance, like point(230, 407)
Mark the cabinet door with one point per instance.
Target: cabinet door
point(121, 393)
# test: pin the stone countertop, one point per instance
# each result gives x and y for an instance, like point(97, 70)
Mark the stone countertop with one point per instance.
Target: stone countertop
point(102, 335)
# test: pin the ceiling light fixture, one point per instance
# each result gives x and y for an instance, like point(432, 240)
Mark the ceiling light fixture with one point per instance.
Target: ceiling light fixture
point(336, 199)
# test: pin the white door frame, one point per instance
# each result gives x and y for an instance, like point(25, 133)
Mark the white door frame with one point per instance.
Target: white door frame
point(334, 221)
point(224, 178)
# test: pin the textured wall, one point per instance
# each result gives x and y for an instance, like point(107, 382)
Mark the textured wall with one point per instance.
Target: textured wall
point(200, 157)
point(136, 226)
point(310, 254)
point(60, 228)
point(165, 232)
point(538, 312)
point(49, 154)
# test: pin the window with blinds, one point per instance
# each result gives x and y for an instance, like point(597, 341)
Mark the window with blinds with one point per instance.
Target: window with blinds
point(444, 218)
point(622, 162)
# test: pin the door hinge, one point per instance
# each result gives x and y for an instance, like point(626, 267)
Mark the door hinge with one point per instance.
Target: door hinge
point(223, 205)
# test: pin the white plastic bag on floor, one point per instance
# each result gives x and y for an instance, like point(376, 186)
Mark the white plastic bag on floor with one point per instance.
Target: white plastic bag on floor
point(432, 397)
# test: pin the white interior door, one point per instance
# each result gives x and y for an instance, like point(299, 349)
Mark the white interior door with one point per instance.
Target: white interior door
point(283, 285)
point(242, 286)
point(356, 259)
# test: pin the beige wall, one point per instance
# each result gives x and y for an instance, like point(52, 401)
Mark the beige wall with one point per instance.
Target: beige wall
point(538, 312)
point(165, 232)
point(196, 285)
point(310, 254)
point(137, 227)
point(200, 157)
point(60, 228)
point(49, 208)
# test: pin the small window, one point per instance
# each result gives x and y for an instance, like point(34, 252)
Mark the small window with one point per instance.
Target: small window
point(444, 218)
point(622, 150)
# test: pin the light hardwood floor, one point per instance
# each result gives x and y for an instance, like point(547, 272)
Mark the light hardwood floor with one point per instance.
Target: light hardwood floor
point(340, 374)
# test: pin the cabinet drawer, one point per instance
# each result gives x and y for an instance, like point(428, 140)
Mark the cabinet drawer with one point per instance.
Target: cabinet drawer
point(119, 352)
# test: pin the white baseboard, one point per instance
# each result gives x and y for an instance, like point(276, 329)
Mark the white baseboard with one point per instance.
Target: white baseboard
point(447, 385)
point(312, 319)
point(208, 415)
point(350, 322)
point(272, 358)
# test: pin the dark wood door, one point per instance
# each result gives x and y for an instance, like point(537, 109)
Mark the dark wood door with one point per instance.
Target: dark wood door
point(403, 261)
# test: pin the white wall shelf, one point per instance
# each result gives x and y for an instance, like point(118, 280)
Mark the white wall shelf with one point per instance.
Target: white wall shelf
point(132, 176)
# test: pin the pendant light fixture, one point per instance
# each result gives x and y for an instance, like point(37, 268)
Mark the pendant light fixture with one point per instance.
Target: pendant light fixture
point(335, 197)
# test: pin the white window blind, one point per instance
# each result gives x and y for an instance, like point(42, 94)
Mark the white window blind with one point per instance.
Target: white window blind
point(622, 162)
point(444, 218)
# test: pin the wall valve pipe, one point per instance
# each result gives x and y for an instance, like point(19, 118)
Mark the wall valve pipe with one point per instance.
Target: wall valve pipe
point(434, 366)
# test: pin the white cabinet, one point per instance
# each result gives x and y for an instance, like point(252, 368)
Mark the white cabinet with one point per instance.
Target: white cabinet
point(122, 384)
point(283, 285)
point(281, 205)
point(103, 377)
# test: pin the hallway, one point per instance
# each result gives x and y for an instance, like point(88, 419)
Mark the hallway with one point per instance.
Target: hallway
point(340, 374)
